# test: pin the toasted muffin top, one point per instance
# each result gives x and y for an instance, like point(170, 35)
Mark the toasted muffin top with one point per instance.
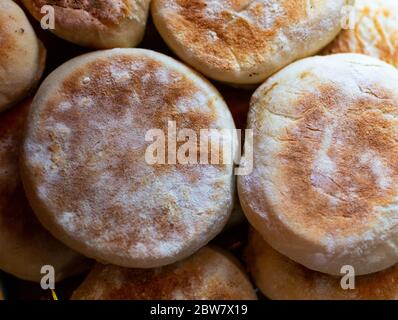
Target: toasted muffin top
point(241, 38)
point(21, 58)
point(95, 24)
point(209, 274)
point(325, 145)
point(375, 31)
point(107, 12)
point(85, 158)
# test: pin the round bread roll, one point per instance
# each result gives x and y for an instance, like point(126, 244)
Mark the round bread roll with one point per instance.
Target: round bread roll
point(96, 24)
point(210, 274)
point(324, 185)
point(22, 56)
point(375, 31)
point(280, 278)
point(244, 42)
point(25, 245)
point(85, 161)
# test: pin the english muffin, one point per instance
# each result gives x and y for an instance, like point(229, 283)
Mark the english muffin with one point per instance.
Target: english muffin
point(25, 245)
point(243, 42)
point(22, 56)
point(96, 24)
point(324, 186)
point(86, 161)
point(374, 32)
point(210, 274)
point(280, 278)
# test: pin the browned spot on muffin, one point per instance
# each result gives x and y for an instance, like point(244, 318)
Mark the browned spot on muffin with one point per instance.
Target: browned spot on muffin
point(337, 159)
point(8, 39)
point(108, 12)
point(235, 37)
point(206, 275)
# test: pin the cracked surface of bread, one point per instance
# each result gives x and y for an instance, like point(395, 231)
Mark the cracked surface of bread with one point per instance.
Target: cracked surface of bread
point(245, 41)
point(21, 55)
point(375, 31)
point(280, 278)
point(324, 188)
point(210, 274)
point(84, 162)
point(25, 245)
point(96, 24)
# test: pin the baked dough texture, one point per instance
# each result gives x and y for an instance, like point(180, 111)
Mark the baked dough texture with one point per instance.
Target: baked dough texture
point(375, 31)
point(84, 165)
point(280, 278)
point(210, 274)
point(243, 42)
point(25, 245)
point(97, 24)
point(22, 57)
point(324, 187)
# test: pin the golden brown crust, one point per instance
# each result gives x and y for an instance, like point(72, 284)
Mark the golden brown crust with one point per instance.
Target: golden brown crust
point(210, 274)
point(101, 24)
point(22, 57)
point(356, 184)
point(84, 160)
point(324, 173)
point(26, 245)
point(280, 278)
point(244, 41)
point(375, 32)
point(107, 12)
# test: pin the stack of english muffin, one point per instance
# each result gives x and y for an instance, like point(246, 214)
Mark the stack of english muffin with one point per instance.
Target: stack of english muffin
point(319, 186)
